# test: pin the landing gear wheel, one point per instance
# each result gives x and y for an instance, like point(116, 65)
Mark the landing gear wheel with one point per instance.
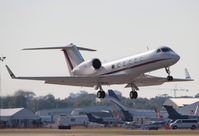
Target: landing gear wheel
point(169, 78)
point(101, 94)
point(133, 94)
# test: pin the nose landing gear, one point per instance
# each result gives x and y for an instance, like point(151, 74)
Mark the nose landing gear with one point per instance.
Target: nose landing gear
point(169, 77)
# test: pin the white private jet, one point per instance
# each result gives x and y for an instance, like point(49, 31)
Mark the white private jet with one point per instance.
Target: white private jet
point(130, 70)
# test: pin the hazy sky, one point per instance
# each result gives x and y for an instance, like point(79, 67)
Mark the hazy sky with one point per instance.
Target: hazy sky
point(116, 28)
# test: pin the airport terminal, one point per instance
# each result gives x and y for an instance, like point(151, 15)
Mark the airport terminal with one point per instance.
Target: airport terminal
point(102, 116)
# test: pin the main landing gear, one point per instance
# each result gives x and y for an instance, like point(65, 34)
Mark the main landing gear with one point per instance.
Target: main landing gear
point(100, 93)
point(169, 77)
point(133, 94)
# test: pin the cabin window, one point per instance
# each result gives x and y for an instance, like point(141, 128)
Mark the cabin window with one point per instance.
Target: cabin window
point(141, 59)
point(124, 63)
point(130, 61)
point(135, 60)
point(113, 66)
point(118, 65)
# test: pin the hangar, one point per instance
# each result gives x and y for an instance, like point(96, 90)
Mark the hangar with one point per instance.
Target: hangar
point(17, 118)
point(51, 115)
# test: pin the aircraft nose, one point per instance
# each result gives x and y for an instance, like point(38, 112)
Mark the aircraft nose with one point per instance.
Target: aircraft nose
point(176, 57)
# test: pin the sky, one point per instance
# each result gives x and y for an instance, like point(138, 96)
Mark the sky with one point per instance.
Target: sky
point(116, 28)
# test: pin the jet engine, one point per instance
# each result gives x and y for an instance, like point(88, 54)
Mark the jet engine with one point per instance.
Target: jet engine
point(88, 67)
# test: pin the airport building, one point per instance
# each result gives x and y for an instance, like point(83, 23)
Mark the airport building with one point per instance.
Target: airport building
point(17, 118)
point(52, 115)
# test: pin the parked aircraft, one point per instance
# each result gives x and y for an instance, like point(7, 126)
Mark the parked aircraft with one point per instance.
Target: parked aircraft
point(101, 120)
point(127, 115)
point(129, 112)
point(174, 115)
point(130, 70)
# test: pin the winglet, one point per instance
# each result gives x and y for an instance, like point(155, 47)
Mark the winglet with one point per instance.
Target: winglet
point(196, 111)
point(10, 72)
point(187, 75)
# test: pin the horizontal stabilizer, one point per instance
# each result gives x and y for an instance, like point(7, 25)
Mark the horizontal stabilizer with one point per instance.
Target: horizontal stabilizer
point(173, 114)
point(60, 47)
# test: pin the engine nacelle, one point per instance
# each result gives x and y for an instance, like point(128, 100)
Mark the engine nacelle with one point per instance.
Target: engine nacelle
point(89, 67)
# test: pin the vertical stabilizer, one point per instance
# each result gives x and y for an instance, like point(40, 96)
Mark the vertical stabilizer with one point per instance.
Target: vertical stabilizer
point(173, 114)
point(187, 75)
point(73, 56)
point(114, 98)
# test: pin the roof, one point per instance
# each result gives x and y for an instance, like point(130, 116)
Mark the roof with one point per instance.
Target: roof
point(17, 113)
point(9, 112)
point(180, 102)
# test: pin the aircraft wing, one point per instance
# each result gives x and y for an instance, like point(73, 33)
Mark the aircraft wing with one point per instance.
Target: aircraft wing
point(78, 81)
point(149, 80)
point(88, 81)
point(143, 80)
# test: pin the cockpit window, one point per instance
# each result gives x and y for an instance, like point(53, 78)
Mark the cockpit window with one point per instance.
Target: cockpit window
point(158, 50)
point(165, 49)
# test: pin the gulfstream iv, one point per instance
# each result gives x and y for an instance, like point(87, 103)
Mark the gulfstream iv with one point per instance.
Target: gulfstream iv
point(130, 70)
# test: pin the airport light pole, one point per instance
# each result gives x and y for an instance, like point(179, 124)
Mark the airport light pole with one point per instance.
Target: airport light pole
point(2, 58)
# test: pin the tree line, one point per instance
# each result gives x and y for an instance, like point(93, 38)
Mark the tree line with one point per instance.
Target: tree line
point(29, 100)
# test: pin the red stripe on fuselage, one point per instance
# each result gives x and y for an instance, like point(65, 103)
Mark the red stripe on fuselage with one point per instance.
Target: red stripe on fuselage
point(68, 59)
point(134, 66)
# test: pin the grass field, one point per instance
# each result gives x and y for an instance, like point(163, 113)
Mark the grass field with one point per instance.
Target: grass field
point(95, 131)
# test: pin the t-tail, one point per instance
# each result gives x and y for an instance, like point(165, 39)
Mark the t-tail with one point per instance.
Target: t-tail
point(114, 98)
point(113, 95)
point(72, 54)
point(173, 114)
